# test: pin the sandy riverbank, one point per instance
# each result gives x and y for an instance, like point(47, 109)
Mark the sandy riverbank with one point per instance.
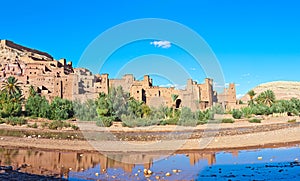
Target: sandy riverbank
point(281, 133)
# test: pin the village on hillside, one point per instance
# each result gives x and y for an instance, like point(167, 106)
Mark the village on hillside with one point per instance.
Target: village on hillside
point(58, 78)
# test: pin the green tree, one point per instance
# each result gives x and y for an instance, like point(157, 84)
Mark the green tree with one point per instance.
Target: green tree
point(174, 98)
point(37, 106)
point(251, 95)
point(11, 86)
point(187, 117)
point(117, 101)
point(86, 111)
point(61, 109)
point(267, 98)
point(135, 108)
point(103, 105)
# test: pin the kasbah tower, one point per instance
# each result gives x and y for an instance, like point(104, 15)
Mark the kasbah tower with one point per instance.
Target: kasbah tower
point(57, 78)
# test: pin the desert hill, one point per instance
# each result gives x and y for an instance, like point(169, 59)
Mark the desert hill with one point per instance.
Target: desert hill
point(282, 89)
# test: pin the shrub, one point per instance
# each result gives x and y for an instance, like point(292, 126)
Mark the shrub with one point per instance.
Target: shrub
point(227, 120)
point(74, 127)
point(170, 121)
point(255, 120)
point(105, 121)
point(15, 121)
point(187, 118)
point(86, 111)
point(139, 122)
point(32, 126)
point(44, 125)
point(237, 114)
point(10, 109)
point(37, 106)
point(247, 112)
point(292, 121)
point(218, 109)
point(61, 109)
point(58, 124)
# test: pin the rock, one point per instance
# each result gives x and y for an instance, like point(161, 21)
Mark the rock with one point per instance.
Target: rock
point(136, 174)
point(145, 171)
point(168, 174)
point(259, 158)
point(157, 177)
point(176, 171)
point(39, 136)
point(29, 137)
point(96, 174)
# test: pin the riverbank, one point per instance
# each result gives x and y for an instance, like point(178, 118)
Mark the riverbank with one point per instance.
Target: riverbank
point(238, 135)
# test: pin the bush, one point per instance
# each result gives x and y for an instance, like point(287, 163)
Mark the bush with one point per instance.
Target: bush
point(139, 122)
point(218, 109)
point(15, 121)
point(170, 121)
point(58, 124)
point(187, 117)
point(255, 120)
point(61, 109)
point(86, 111)
point(237, 114)
point(74, 127)
point(32, 126)
point(10, 109)
point(37, 106)
point(105, 121)
point(227, 120)
point(292, 121)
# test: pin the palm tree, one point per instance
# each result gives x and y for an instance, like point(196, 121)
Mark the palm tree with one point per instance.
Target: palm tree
point(251, 94)
point(11, 86)
point(174, 98)
point(266, 98)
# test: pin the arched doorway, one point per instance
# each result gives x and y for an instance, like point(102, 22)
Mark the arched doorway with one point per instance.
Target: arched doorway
point(178, 103)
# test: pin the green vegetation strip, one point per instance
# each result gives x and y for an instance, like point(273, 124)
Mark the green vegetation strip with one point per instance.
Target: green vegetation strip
point(42, 134)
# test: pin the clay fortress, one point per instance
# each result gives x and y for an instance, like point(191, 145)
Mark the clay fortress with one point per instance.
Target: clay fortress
point(57, 78)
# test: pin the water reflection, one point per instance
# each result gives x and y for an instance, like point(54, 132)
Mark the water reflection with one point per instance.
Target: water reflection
point(192, 165)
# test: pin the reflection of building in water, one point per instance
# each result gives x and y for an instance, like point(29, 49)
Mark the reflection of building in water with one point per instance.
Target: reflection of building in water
point(60, 163)
point(235, 153)
point(196, 157)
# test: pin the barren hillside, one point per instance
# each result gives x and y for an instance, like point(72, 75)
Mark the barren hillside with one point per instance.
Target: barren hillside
point(282, 89)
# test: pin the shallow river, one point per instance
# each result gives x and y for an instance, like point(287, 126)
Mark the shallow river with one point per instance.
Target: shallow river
point(256, 164)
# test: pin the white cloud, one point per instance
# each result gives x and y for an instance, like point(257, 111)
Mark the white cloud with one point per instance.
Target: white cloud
point(193, 69)
point(161, 44)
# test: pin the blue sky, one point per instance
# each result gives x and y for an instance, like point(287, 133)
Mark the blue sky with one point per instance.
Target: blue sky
point(255, 41)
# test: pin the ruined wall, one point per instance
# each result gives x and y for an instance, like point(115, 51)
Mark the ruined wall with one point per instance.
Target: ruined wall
point(126, 82)
point(228, 98)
